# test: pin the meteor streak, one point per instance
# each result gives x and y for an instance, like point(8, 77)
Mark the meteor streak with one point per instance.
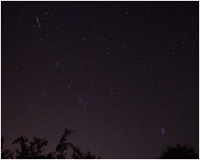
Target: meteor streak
point(38, 22)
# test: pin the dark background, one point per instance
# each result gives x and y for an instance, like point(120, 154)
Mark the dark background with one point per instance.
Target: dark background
point(124, 75)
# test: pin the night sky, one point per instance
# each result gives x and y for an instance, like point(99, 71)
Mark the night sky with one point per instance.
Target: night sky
point(124, 75)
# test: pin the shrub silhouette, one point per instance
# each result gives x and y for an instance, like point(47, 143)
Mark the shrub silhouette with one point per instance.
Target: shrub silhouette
point(180, 151)
point(63, 145)
point(5, 153)
point(34, 150)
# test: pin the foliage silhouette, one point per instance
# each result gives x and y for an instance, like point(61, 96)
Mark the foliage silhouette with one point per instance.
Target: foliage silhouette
point(89, 155)
point(180, 151)
point(63, 145)
point(34, 150)
point(5, 153)
point(77, 154)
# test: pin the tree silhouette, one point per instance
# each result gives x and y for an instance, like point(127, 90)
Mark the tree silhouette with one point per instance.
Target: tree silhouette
point(63, 145)
point(5, 153)
point(34, 149)
point(77, 154)
point(89, 155)
point(180, 151)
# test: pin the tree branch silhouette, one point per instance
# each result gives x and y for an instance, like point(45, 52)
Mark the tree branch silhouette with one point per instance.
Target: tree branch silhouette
point(34, 149)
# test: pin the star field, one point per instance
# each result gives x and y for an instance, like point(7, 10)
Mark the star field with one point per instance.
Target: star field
point(124, 75)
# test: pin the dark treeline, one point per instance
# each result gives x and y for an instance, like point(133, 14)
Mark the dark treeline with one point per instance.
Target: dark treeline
point(34, 150)
point(180, 151)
